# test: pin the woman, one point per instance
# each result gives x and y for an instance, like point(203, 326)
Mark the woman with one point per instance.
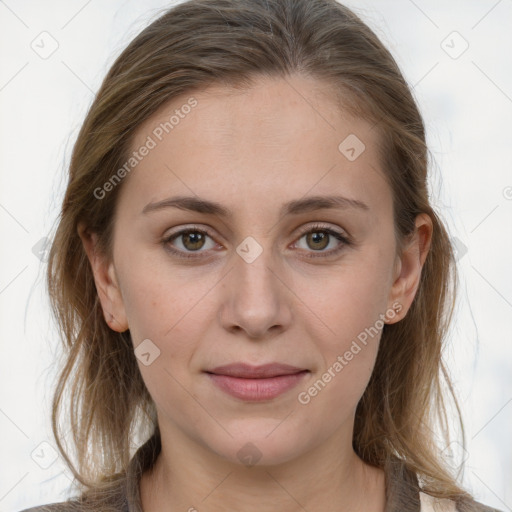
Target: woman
point(248, 274)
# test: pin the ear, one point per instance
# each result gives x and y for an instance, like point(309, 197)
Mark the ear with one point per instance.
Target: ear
point(106, 282)
point(408, 268)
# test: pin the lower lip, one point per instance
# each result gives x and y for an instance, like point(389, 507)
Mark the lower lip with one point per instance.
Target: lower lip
point(256, 390)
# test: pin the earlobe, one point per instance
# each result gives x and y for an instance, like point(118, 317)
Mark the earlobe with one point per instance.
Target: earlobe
point(410, 265)
point(105, 280)
point(115, 316)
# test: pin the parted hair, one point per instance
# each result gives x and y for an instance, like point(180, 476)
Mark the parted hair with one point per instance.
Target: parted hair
point(101, 406)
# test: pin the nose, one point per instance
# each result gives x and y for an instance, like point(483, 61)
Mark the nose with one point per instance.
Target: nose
point(255, 297)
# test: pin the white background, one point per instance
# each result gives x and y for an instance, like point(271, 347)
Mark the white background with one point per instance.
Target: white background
point(467, 106)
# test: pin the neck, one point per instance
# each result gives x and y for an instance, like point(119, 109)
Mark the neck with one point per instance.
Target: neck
point(189, 477)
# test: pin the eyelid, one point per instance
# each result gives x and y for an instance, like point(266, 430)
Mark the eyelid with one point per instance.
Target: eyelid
point(322, 227)
point(193, 227)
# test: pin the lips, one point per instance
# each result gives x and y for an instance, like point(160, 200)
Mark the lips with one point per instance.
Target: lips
point(256, 383)
point(246, 371)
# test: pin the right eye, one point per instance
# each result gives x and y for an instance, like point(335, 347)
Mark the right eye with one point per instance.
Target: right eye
point(192, 240)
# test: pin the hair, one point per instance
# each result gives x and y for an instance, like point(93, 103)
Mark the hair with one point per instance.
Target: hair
point(232, 42)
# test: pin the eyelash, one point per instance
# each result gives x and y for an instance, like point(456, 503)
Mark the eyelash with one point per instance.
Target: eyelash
point(345, 241)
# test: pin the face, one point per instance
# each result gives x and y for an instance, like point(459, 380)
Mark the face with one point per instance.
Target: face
point(264, 276)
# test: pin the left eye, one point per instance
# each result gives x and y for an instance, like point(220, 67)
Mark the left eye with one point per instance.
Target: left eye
point(318, 238)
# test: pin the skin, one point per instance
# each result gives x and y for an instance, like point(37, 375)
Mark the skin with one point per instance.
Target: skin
point(253, 151)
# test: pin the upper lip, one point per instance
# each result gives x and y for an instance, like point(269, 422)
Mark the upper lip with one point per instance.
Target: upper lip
point(247, 371)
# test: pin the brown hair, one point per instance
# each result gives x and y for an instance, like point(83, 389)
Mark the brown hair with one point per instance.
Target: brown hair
point(193, 45)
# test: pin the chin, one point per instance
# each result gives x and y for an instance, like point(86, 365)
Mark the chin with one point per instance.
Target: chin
point(259, 443)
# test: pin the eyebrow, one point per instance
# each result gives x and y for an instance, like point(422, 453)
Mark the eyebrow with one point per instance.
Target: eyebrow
point(295, 207)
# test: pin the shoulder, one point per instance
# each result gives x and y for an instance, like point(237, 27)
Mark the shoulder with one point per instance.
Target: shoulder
point(122, 494)
point(431, 504)
point(68, 506)
point(64, 506)
point(76, 505)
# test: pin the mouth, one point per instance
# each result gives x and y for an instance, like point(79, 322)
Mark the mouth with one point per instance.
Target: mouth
point(256, 383)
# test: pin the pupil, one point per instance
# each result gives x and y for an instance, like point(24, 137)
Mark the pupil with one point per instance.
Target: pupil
point(194, 238)
point(317, 237)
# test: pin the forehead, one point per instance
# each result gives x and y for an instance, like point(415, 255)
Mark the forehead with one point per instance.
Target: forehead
point(279, 137)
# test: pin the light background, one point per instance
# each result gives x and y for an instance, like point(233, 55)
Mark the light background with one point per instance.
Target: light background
point(467, 106)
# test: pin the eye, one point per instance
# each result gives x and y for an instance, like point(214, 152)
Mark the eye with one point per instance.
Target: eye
point(319, 237)
point(191, 240)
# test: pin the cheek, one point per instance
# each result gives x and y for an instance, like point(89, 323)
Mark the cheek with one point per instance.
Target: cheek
point(351, 300)
point(352, 308)
point(159, 299)
point(170, 312)
point(347, 358)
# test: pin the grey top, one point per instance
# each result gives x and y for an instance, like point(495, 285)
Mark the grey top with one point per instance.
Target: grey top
point(401, 487)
